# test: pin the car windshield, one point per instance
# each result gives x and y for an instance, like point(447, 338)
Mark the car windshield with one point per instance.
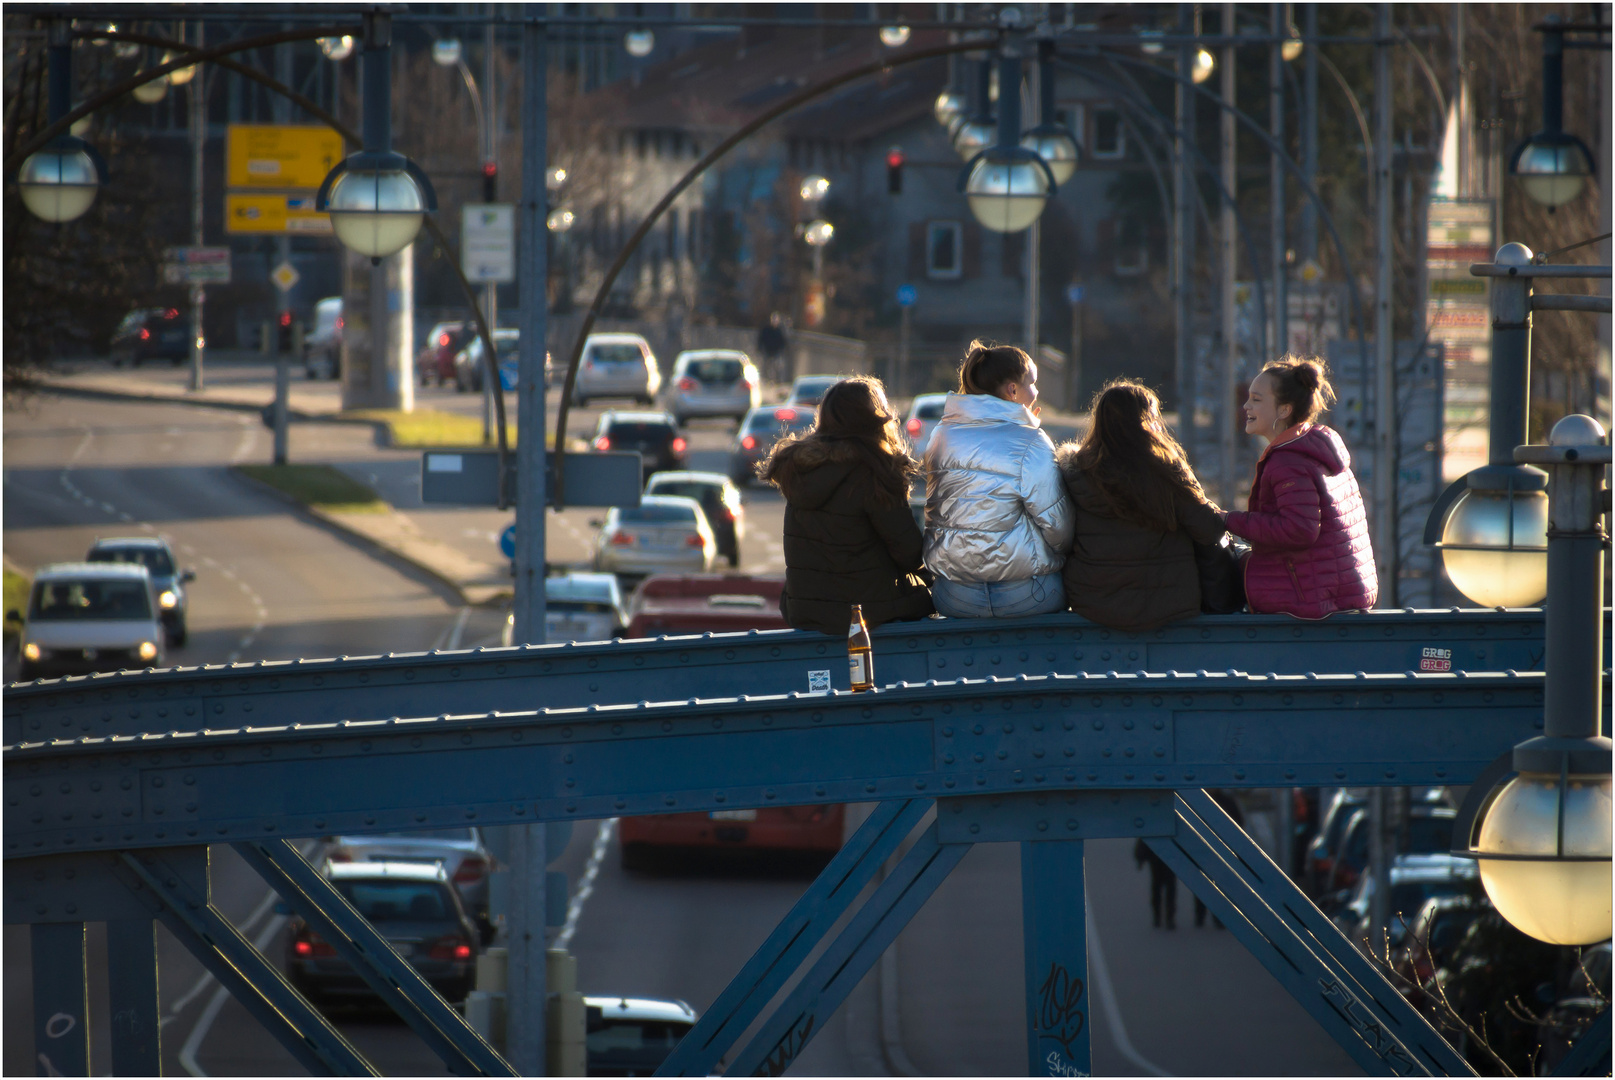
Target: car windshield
point(571, 590)
point(811, 390)
point(380, 900)
point(652, 513)
point(615, 354)
point(636, 431)
point(154, 559)
point(84, 600)
point(929, 410)
point(719, 370)
point(701, 493)
point(772, 421)
point(637, 1045)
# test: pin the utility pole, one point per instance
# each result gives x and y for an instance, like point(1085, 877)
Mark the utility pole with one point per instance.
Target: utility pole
point(490, 291)
point(1385, 426)
point(197, 92)
point(1221, 413)
point(283, 253)
point(1309, 136)
point(1183, 236)
point(525, 988)
point(1073, 397)
point(1034, 234)
point(902, 350)
point(1280, 236)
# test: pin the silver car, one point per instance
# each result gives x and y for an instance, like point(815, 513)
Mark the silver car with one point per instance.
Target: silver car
point(923, 416)
point(322, 349)
point(809, 389)
point(617, 365)
point(85, 617)
point(664, 534)
point(632, 1036)
point(459, 851)
point(713, 382)
point(579, 606)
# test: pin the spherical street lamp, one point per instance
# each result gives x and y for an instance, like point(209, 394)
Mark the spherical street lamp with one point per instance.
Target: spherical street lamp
point(1056, 146)
point(1495, 547)
point(639, 43)
point(446, 52)
point(1008, 192)
point(973, 136)
point(814, 188)
point(59, 182)
point(949, 104)
point(818, 233)
point(1552, 167)
point(377, 202)
point(179, 76)
point(560, 221)
point(1204, 65)
point(1293, 46)
point(336, 49)
point(894, 37)
point(152, 91)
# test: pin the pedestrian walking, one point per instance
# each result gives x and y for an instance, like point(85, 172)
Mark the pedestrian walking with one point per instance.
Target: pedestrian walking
point(850, 537)
point(997, 521)
point(1138, 512)
point(1308, 530)
point(1163, 884)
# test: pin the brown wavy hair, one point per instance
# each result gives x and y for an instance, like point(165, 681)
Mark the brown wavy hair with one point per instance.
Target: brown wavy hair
point(1135, 463)
point(854, 414)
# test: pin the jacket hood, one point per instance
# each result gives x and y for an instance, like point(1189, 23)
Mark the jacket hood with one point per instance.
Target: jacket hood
point(1321, 444)
point(808, 470)
point(1081, 490)
point(986, 409)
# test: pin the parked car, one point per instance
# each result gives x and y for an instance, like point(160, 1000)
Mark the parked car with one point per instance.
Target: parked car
point(617, 365)
point(85, 617)
point(414, 907)
point(654, 434)
point(1428, 830)
point(322, 348)
point(1414, 880)
point(719, 499)
point(626, 1036)
point(809, 390)
point(578, 606)
point(698, 603)
point(758, 433)
point(923, 415)
point(461, 852)
point(151, 334)
point(713, 382)
point(468, 368)
point(1430, 939)
point(1320, 857)
point(167, 578)
point(663, 534)
point(435, 362)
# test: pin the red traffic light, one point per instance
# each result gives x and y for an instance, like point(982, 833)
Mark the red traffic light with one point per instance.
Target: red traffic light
point(894, 170)
point(490, 168)
point(285, 318)
point(894, 158)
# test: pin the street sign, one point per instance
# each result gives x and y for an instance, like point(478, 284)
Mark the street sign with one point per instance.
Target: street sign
point(285, 277)
point(279, 155)
point(488, 243)
point(906, 295)
point(507, 541)
point(197, 266)
point(274, 214)
point(1074, 294)
point(471, 478)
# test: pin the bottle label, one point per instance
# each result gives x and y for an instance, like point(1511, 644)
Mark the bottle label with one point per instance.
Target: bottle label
point(860, 672)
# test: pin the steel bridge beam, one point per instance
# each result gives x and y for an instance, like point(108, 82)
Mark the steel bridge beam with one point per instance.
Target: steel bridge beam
point(757, 662)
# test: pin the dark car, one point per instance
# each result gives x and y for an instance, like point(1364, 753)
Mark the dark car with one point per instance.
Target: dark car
point(719, 499)
point(151, 334)
point(653, 434)
point(758, 433)
point(414, 907)
point(1427, 831)
point(1320, 856)
point(167, 578)
point(435, 361)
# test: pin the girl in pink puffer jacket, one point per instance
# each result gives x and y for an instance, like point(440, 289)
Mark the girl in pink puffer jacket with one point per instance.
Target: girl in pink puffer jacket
point(1308, 531)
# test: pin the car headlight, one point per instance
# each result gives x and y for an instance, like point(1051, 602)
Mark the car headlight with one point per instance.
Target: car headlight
point(167, 598)
point(148, 650)
point(30, 651)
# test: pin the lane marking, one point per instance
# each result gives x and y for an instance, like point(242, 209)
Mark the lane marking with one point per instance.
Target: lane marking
point(1099, 975)
point(458, 630)
point(574, 908)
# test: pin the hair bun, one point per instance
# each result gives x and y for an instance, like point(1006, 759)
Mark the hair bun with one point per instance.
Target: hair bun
point(1309, 373)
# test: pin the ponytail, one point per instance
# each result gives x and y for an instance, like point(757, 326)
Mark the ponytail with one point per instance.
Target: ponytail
point(986, 367)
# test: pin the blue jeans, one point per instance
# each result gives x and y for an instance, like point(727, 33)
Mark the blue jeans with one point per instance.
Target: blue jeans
point(998, 599)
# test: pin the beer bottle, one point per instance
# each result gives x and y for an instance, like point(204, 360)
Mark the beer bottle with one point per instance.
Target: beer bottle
point(859, 654)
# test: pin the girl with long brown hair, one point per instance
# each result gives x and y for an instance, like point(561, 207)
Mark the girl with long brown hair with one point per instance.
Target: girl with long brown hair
point(1139, 511)
point(850, 537)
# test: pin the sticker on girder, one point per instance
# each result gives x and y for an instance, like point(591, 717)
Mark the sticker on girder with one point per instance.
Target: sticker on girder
point(1435, 660)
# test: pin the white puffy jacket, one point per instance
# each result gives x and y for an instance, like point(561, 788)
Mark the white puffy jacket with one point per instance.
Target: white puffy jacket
point(995, 509)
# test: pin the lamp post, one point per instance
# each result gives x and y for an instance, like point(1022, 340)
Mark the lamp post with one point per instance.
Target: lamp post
point(1552, 166)
point(1006, 184)
point(60, 181)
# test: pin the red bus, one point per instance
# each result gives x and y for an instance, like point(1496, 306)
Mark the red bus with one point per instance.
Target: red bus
point(694, 604)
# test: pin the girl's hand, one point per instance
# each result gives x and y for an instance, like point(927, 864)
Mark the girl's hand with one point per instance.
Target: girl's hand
point(1037, 410)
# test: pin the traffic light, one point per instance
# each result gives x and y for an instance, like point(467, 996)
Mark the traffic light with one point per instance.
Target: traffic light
point(894, 170)
point(490, 181)
point(283, 339)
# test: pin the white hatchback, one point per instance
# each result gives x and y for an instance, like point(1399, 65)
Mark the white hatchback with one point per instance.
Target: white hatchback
point(617, 365)
point(713, 382)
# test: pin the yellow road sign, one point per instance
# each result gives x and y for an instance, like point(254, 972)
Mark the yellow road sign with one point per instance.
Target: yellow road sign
point(279, 155)
point(246, 212)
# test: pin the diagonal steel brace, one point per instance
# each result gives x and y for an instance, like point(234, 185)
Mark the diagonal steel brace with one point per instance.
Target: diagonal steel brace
point(850, 956)
point(373, 958)
point(1308, 956)
point(256, 983)
point(796, 936)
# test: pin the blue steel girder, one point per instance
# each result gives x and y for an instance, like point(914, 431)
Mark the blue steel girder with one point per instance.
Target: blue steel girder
point(757, 662)
point(1031, 732)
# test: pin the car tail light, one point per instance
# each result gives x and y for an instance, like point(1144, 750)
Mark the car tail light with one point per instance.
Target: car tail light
point(602, 443)
point(171, 313)
point(452, 947)
point(313, 945)
point(144, 333)
point(687, 384)
point(340, 322)
point(622, 539)
point(339, 856)
point(443, 339)
point(474, 868)
point(915, 426)
point(749, 442)
point(785, 414)
point(694, 541)
point(679, 444)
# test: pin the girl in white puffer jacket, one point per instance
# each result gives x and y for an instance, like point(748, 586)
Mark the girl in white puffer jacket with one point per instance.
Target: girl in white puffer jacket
point(997, 521)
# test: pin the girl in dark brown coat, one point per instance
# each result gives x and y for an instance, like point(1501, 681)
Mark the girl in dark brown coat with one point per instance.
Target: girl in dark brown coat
point(849, 534)
point(1139, 510)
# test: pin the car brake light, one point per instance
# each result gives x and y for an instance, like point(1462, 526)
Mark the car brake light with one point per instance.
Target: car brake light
point(622, 539)
point(450, 948)
point(443, 339)
point(687, 384)
point(749, 442)
point(785, 414)
point(915, 426)
point(339, 322)
point(171, 313)
point(602, 443)
point(694, 541)
point(339, 856)
point(314, 945)
point(471, 869)
point(678, 445)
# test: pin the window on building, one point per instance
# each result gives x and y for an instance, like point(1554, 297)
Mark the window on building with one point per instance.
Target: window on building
point(1109, 141)
point(944, 254)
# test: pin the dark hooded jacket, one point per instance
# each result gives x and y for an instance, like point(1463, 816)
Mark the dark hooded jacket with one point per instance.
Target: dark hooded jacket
point(1125, 575)
point(848, 538)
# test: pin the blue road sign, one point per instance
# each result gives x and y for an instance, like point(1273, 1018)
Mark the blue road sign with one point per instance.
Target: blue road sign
point(906, 295)
point(507, 541)
point(1074, 294)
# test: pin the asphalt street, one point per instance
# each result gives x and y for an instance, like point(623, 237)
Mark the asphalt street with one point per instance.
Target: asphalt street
point(272, 584)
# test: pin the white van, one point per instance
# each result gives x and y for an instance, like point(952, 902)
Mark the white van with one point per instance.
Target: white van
point(322, 349)
point(85, 617)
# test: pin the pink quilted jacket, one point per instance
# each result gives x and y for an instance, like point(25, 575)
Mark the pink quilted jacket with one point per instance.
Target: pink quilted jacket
point(1307, 529)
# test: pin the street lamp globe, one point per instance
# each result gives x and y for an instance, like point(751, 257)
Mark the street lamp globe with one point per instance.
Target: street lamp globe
point(1293, 46)
point(818, 233)
point(814, 188)
point(337, 49)
point(1148, 42)
point(59, 183)
point(974, 136)
point(1204, 65)
point(1056, 146)
point(948, 106)
point(555, 178)
point(446, 52)
point(560, 221)
point(179, 76)
point(376, 211)
point(151, 92)
point(639, 43)
point(1552, 167)
point(1495, 547)
point(1007, 190)
point(894, 37)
